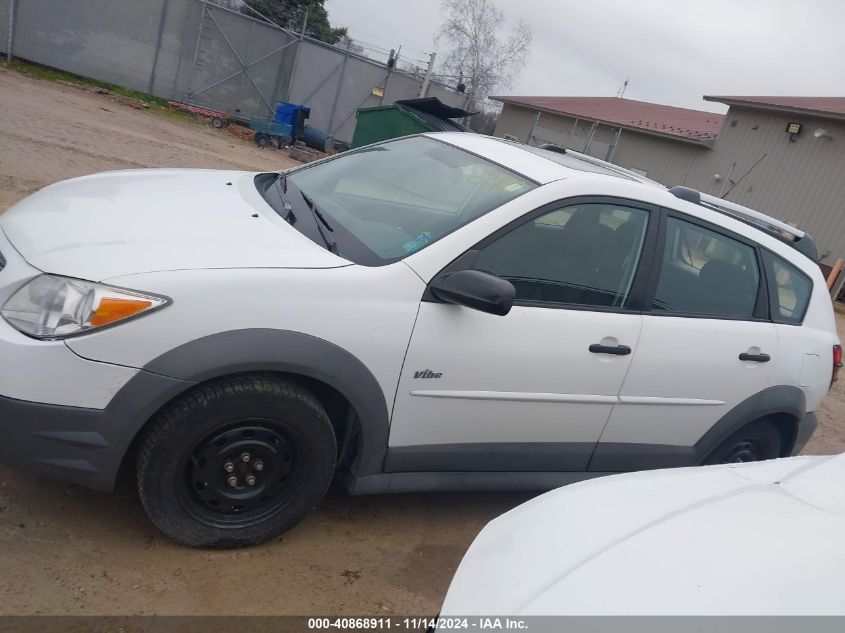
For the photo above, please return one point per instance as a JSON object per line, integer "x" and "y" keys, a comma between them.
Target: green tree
{"x": 291, "y": 13}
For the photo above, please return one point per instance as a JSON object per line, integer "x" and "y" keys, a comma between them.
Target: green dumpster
{"x": 412, "y": 116}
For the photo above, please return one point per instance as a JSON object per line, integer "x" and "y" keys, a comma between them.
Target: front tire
{"x": 752, "y": 443}
{"x": 236, "y": 462}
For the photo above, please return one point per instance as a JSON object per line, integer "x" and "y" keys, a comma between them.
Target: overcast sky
{"x": 674, "y": 51}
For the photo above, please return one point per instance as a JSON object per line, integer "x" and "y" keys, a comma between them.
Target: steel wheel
{"x": 242, "y": 472}
{"x": 744, "y": 451}
{"x": 753, "y": 443}
{"x": 236, "y": 461}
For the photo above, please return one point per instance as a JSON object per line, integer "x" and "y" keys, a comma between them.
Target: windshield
{"x": 395, "y": 198}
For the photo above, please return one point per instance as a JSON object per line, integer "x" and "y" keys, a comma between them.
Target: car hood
{"x": 124, "y": 222}
{"x": 750, "y": 539}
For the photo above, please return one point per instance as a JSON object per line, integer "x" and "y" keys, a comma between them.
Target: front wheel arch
{"x": 337, "y": 377}
{"x": 342, "y": 414}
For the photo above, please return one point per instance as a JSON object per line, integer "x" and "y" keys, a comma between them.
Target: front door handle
{"x": 618, "y": 350}
{"x": 756, "y": 358}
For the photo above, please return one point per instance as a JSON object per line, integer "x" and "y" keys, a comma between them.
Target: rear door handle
{"x": 618, "y": 350}
{"x": 756, "y": 358}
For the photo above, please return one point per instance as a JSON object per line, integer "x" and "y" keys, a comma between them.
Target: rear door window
{"x": 706, "y": 273}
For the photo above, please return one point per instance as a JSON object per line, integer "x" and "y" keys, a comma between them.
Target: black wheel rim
{"x": 241, "y": 472}
{"x": 743, "y": 451}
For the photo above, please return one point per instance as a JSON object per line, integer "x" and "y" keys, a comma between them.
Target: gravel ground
{"x": 68, "y": 550}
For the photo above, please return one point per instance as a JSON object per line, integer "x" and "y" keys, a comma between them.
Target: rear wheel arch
{"x": 782, "y": 405}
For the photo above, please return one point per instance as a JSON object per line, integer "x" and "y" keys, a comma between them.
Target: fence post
{"x": 612, "y": 150}
{"x": 296, "y": 56}
{"x": 190, "y": 92}
{"x": 337, "y": 92}
{"x": 590, "y": 138}
{"x": 11, "y": 41}
{"x": 159, "y": 36}
{"x": 533, "y": 128}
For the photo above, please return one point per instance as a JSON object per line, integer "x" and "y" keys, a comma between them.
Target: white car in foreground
{"x": 437, "y": 312}
{"x": 728, "y": 540}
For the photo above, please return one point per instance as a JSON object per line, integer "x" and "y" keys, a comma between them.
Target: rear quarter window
{"x": 790, "y": 290}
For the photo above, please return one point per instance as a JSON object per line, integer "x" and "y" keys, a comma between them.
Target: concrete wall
{"x": 802, "y": 182}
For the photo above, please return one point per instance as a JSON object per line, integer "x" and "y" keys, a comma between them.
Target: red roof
{"x": 682, "y": 123}
{"x": 822, "y": 106}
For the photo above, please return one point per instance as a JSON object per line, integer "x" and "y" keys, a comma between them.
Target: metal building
{"x": 782, "y": 155}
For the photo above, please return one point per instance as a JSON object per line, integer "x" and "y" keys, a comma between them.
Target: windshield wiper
{"x": 321, "y": 222}
{"x": 282, "y": 184}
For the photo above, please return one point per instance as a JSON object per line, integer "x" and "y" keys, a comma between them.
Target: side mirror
{"x": 475, "y": 289}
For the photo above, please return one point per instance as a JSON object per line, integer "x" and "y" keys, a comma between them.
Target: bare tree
{"x": 479, "y": 52}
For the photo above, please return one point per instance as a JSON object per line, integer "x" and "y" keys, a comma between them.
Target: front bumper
{"x": 78, "y": 444}
{"x": 61, "y": 415}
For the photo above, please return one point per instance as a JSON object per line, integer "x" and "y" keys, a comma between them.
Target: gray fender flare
{"x": 626, "y": 457}
{"x": 778, "y": 400}
{"x": 241, "y": 351}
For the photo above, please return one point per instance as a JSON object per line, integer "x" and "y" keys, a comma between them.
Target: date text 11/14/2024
{"x": 477, "y": 623}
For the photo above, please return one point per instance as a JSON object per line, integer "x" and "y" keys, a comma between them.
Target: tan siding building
{"x": 754, "y": 160}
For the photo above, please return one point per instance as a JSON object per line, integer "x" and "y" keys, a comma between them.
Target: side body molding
{"x": 776, "y": 400}
{"x": 262, "y": 349}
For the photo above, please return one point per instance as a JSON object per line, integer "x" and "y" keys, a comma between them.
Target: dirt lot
{"x": 67, "y": 550}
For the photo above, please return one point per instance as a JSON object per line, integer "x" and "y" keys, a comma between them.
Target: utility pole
{"x": 428, "y": 71}
{"x": 392, "y": 62}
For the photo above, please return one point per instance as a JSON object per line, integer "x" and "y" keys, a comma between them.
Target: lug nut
{"x": 229, "y": 467}
{"x": 250, "y": 480}
{"x": 258, "y": 465}
{"x": 233, "y": 481}
{"x": 245, "y": 457}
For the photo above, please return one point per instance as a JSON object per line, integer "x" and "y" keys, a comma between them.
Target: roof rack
{"x": 798, "y": 239}
{"x": 592, "y": 160}
{"x": 554, "y": 148}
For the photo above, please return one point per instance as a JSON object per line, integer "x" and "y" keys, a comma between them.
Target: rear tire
{"x": 755, "y": 442}
{"x": 262, "y": 140}
{"x": 236, "y": 462}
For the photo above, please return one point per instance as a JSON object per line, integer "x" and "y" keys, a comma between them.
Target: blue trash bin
{"x": 286, "y": 113}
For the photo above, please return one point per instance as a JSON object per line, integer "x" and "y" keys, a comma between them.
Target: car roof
{"x": 543, "y": 166}
{"x": 536, "y": 163}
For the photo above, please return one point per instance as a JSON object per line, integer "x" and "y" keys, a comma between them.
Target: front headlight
{"x": 53, "y": 307}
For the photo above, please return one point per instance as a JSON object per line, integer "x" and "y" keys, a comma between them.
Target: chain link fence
{"x": 207, "y": 55}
